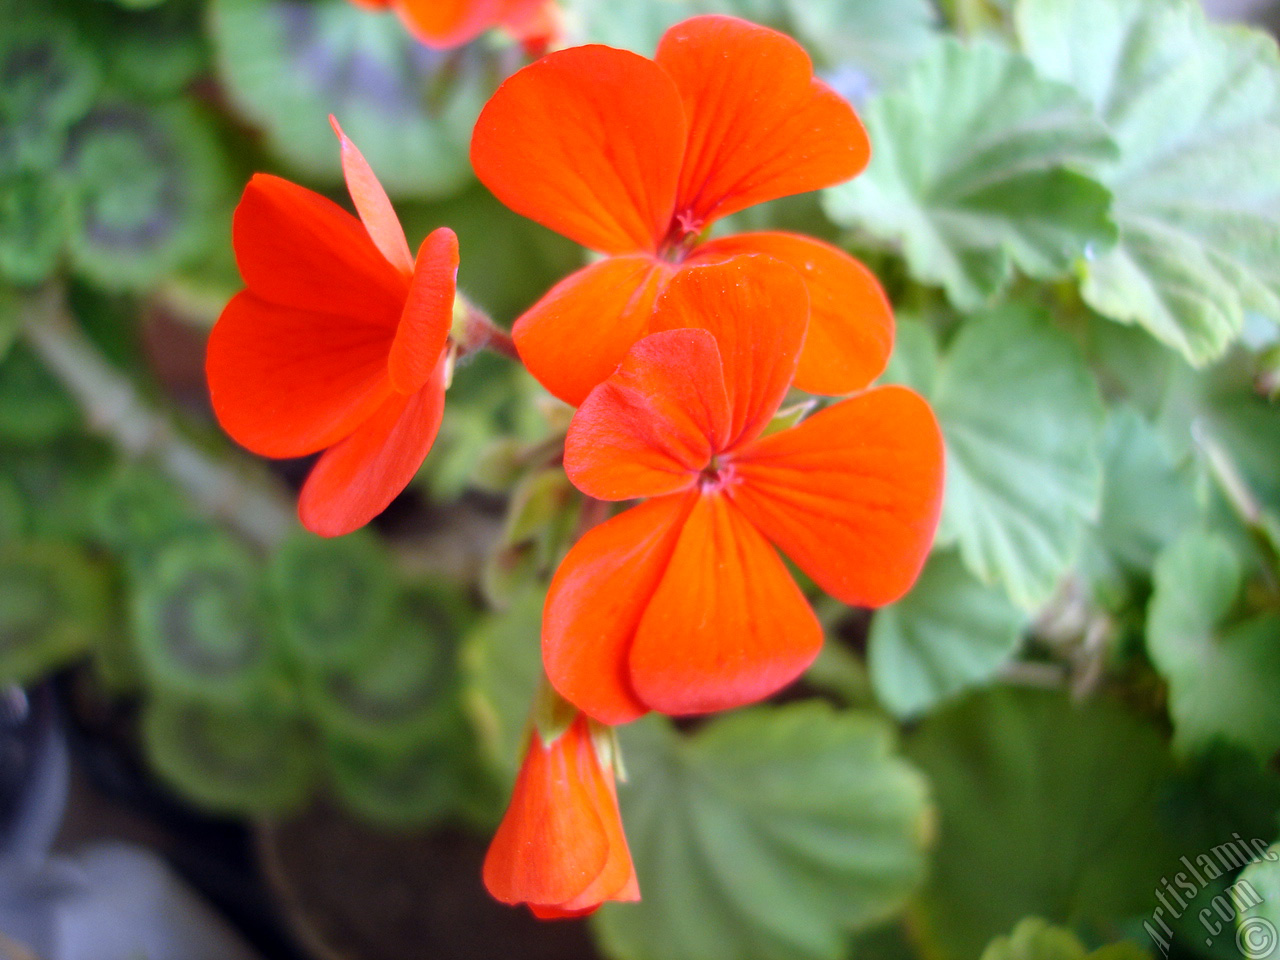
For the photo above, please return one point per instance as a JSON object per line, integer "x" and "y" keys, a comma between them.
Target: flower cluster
{"x": 678, "y": 352}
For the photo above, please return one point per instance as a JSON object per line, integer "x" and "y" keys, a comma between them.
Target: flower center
{"x": 716, "y": 475}
{"x": 682, "y": 236}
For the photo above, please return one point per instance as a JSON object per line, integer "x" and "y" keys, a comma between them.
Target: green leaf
{"x": 1222, "y": 672}
{"x": 1054, "y": 806}
{"x": 34, "y": 408}
{"x": 1195, "y": 108}
{"x": 876, "y": 36}
{"x": 398, "y": 689}
{"x": 333, "y": 597}
{"x": 973, "y": 172}
{"x": 948, "y": 634}
{"x": 34, "y": 224}
{"x": 50, "y": 80}
{"x": 288, "y": 65}
{"x": 200, "y": 621}
{"x": 1147, "y": 499}
{"x": 137, "y": 512}
{"x": 502, "y": 667}
{"x": 235, "y": 758}
{"x": 148, "y": 190}
{"x": 53, "y": 605}
{"x": 415, "y": 783}
{"x": 1022, "y": 419}
{"x": 770, "y": 833}
{"x": 58, "y": 482}
{"x": 1034, "y": 939}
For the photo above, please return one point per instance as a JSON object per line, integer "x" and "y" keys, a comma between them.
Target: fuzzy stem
{"x": 114, "y": 408}
{"x": 480, "y": 332}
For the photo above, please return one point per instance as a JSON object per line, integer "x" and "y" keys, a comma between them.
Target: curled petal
{"x": 356, "y": 479}
{"x": 727, "y": 625}
{"x": 287, "y": 382}
{"x": 373, "y": 205}
{"x": 758, "y": 309}
{"x": 850, "y": 320}
{"x": 760, "y": 125}
{"x": 552, "y": 844}
{"x": 587, "y": 141}
{"x": 852, "y": 494}
{"x": 428, "y": 312}
{"x": 299, "y": 249}
{"x": 578, "y": 333}
{"x": 654, "y": 425}
{"x": 595, "y": 603}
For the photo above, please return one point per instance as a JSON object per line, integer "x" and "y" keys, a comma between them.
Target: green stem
{"x": 114, "y": 408}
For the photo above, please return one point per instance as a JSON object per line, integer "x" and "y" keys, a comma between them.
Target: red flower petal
{"x": 617, "y": 881}
{"x": 552, "y": 843}
{"x": 428, "y": 312}
{"x": 727, "y": 625}
{"x": 596, "y": 600}
{"x": 287, "y": 382}
{"x": 850, "y": 321}
{"x": 296, "y": 248}
{"x": 760, "y": 125}
{"x": 373, "y": 205}
{"x": 588, "y": 142}
{"x": 852, "y": 494}
{"x": 758, "y": 310}
{"x": 443, "y": 24}
{"x": 651, "y": 427}
{"x": 355, "y": 480}
{"x": 576, "y": 335}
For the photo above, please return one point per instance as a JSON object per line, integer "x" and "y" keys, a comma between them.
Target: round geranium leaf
{"x": 49, "y": 81}
{"x": 53, "y": 605}
{"x": 246, "y": 758}
{"x": 200, "y": 621}
{"x": 147, "y": 190}
{"x": 334, "y": 597}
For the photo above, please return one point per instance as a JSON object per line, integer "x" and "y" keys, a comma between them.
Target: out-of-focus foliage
{"x": 1073, "y": 206}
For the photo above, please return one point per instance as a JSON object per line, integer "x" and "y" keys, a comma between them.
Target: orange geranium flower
{"x": 442, "y": 24}
{"x": 635, "y": 158}
{"x": 682, "y": 604}
{"x": 337, "y": 344}
{"x": 560, "y": 847}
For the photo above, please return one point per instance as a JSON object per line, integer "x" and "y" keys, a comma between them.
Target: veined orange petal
{"x": 552, "y": 843}
{"x": 760, "y": 125}
{"x": 578, "y": 333}
{"x": 587, "y": 141}
{"x": 850, "y": 320}
{"x": 758, "y": 309}
{"x": 355, "y": 480}
{"x": 428, "y": 312}
{"x": 727, "y": 625}
{"x": 852, "y": 494}
{"x": 373, "y": 205}
{"x": 596, "y": 600}
{"x": 301, "y": 250}
{"x": 653, "y": 426}
{"x": 287, "y": 382}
